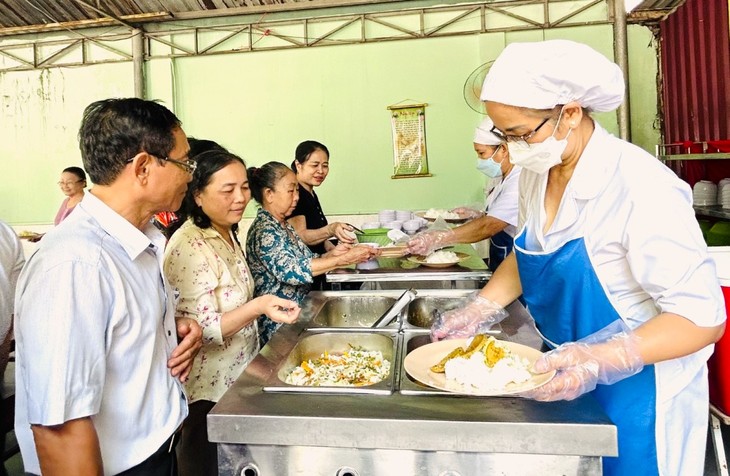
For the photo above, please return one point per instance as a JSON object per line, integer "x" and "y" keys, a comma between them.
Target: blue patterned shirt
{"x": 280, "y": 263}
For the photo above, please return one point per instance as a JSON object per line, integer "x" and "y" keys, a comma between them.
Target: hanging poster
{"x": 408, "y": 123}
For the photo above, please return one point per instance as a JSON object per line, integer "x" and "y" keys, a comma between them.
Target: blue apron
{"x": 500, "y": 245}
{"x": 567, "y": 301}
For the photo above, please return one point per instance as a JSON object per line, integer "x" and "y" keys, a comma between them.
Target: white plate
{"x": 422, "y": 260}
{"x": 447, "y": 220}
{"x": 418, "y": 365}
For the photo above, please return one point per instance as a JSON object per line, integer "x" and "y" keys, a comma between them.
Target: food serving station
{"x": 399, "y": 426}
{"x": 406, "y": 269}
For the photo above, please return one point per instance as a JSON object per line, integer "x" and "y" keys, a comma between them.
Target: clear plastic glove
{"x": 476, "y": 317}
{"x": 426, "y": 242}
{"x": 605, "y": 357}
{"x": 467, "y": 213}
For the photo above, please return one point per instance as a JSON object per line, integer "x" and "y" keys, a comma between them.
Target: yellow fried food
{"x": 441, "y": 366}
{"x": 476, "y": 345}
{"x": 493, "y": 353}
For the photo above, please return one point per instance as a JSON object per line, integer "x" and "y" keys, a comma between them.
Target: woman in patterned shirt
{"x": 281, "y": 263}
{"x": 205, "y": 262}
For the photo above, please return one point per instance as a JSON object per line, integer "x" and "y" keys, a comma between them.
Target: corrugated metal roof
{"x": 26, "y": 16}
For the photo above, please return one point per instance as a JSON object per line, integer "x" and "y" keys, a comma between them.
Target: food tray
{"x": 312, "y": 345}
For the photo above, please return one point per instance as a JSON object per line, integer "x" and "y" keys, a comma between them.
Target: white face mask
{"x": 542, "y": 156}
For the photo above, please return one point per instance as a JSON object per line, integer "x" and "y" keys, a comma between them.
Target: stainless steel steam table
{"x": 402, "y": 433}
{"x": 401, "y": 269}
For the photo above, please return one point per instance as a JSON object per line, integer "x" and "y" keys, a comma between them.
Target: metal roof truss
{"x": 169, "y": 40}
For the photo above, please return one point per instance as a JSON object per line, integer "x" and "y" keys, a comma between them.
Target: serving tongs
{"x": 355, "y": 229}
{"x": 395, "y": 309}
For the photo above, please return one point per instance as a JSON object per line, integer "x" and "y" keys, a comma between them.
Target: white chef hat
{"x": 543, "y": 74}
{"x": 483, "y": 134}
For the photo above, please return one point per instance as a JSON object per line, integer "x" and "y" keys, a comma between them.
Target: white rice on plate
{"x": 442, "y": 257}
{"x": 434, "y": 213}
{"x": 473, "y": 372}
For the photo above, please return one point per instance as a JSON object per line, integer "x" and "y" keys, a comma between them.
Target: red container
{"x": 719, "y": 363}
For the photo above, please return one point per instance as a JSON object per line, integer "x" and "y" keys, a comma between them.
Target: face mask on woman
{"x": 489, "y": 167}
{"x": 542, "y": 156}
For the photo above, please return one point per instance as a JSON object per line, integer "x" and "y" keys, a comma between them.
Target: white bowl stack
{"x": 393, "y": 225}
{"x": 386, "y": 216}
{"x": 403, "y": 215}
{"x": 704, "y": 193}
{"x": 412, "y": 226}
{"x": 723, "y": 193}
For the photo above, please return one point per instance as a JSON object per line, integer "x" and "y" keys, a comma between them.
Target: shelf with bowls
{"x": 715, "y": 211}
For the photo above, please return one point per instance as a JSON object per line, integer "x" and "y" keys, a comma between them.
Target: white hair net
{"x": 544, "y": 74}
{"x": 484, "y": 135}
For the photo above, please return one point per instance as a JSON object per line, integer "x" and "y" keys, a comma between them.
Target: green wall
{"x": 262, "y": 104}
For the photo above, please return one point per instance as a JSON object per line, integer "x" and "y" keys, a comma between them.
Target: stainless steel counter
{"x": 402, "y": 433}
{"x": 401, "y": 269}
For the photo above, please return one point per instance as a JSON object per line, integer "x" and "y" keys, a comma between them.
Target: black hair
{"x": 304, "y": 150}
{"x": 208, "y": 163}
{"x": 266, "y": 176}
{"x": 77, "y": 171}
{"x": 115, "y": 130}
{"x": 198, "y": 146}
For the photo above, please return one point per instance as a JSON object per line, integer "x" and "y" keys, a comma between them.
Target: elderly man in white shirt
{"x": 99, "y": 366}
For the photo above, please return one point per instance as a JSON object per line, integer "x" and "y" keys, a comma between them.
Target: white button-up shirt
{"x": 94, "y": 330}
{"x": 503, "y": 200}
{"x": 11, "y": 262}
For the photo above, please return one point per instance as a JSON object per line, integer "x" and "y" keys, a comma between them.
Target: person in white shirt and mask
{"x": 499, "y": 222}
{"x": 609, "y": 258}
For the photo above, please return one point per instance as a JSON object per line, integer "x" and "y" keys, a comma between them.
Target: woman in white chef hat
{"x": 609, "y": 258}
{"x": 499, "y": 223}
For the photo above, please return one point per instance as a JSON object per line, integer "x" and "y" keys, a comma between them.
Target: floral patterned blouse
{"x": 212, "y": 279}
{"x": 280, "y": 262}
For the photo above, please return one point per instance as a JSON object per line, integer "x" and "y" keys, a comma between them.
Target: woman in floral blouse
{"x": 281, "y": 263}
{"x": 205, "y": 262}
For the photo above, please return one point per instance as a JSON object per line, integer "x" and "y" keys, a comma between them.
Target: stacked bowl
{"x": 704, "y": 193}
{"x": 723, "y": 193}
{"x": 385, "y": 216}
{"x": 403, "y": 215}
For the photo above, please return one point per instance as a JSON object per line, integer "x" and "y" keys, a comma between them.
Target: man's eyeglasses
{"x": 187, "y": 165}
{"x": 62, "y": 184}
{"x": 512, "y": 138}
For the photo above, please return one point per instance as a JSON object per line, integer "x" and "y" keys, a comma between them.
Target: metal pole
{"x": 621, "y": 53}
{"x": 138, "y": 62}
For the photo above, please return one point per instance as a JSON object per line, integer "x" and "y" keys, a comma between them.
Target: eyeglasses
{"x": 187, "y": 165}
{"x": 61, "y": 184}
{"x": 512, "y": 138}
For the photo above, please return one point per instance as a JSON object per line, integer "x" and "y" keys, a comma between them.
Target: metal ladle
{"x": 393, "y": 311}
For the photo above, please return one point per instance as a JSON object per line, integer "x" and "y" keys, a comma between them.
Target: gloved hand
{"x": 596, "y": 359}
{"x": 426, "y": 242}
{"x": 467, "y": 213}
{"x": 476, "y": 317}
